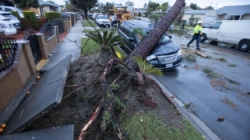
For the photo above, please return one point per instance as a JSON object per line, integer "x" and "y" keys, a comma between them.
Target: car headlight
{"x": 150, "y": 57}
{"x": 179, "y": 52}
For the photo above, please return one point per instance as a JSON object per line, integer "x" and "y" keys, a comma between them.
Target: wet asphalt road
{"x": 224, "y": 95}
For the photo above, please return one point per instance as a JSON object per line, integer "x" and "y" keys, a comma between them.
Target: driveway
{"x": 217, "y": 86}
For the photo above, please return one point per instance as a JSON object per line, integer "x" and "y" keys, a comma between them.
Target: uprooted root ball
{"x": 103, "y": 81}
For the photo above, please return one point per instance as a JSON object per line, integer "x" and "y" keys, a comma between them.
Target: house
{"x": 130, "y": 6}
{"x": 239, "y": 12}
{"x": 202, "y": 15}
{"x": 45, "y": 7}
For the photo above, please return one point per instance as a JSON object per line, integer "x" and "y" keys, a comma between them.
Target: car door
{"x": 122, "y": 33}
{"x": 131, "y": 40}
{"x": 128, "y": 44}
{"x": 214, "y": 30}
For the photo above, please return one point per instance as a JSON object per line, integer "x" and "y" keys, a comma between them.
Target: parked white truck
{"x": 234, "y": 32}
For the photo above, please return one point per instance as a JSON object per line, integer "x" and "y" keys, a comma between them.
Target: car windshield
{"x": 8, "y": 15}
{"x": 141, "y": 33}
{"x": 102, "y": 17}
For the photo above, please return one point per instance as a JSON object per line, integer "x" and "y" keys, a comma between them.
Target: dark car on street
{"x": 65, "y": 15}
{"x": 166, "y": 54}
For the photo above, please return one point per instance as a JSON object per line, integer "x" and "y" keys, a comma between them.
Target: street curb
{"x": 207, "y": 132}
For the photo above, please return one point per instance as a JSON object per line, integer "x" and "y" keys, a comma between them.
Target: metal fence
{"x": 7, "y": 52}
{"x": 30, "y": 35}
{"x": 47, "y": 30}
{"x": 59, "y": 24}
{"x": 72, "y": 19}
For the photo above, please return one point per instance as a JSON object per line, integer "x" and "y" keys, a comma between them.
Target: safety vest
{"x": 197, "y": 29}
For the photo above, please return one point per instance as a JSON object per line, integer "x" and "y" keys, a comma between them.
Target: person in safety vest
{"x": 196, "y": 35}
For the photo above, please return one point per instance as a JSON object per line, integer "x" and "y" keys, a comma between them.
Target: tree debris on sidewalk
{"x": 201, "y": 54}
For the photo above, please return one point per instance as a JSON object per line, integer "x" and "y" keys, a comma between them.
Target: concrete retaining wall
{"x": 12, "y": 79}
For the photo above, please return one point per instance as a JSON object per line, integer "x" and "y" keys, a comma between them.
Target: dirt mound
{"x": 85, "y": 89}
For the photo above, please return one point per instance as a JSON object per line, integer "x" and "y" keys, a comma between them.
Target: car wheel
{"x": 244, "y": 46}
{"x": 203, "y": 38}
{"x": 214, "y": 42}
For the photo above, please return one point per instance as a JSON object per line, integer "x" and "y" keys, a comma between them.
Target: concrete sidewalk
{"x": 70, "y": 45}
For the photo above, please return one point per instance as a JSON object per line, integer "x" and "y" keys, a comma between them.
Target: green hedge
{"x": 30, "y": 16}
{"x": 52, "y": 15}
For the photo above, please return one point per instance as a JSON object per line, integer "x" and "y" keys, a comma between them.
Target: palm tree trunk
{"x": 149, "y": 42}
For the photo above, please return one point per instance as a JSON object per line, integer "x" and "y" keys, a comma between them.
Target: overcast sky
{"x": 201, "y": 3}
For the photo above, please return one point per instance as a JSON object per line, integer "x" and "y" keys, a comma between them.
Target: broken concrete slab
{"x": 46, "y": 94}
{"x": 55, "y": 133}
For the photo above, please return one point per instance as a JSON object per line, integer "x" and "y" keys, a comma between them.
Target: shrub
{"x": 52, "y": 15}
{"x": 30, "y": 17}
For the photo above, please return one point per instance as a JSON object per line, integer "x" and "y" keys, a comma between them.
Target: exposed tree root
{"x": 107, "y": 102}
{"x": 91, "y": 120}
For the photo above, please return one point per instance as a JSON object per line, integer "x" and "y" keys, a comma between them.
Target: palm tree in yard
{"x": 106, "y": 39}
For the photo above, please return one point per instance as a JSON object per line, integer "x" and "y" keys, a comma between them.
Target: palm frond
{"x": 145, "y": 67}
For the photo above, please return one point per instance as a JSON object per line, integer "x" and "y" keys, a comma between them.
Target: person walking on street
{"x": 183, "y": 24}
{"x": 196, "y": 35}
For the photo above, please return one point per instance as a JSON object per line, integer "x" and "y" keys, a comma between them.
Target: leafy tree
{"x": 164, "y": 7}
{"x": 209, "y": 8}
{"x": 84, "y": 5}
{"x": 26, "y": 4}
{"x": 72, "y": 8}
{"x": 148, "y": 43}
{"x": 108, "y": 6}
{"x": 155, "y": 17}
{"x": 194, "y": 6}
{"x": 152, "y": 6}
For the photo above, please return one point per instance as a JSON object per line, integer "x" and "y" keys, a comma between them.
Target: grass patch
{"x": 191, "y": 58}
{"x": 85, "y": 23}
{"x": 210, "y": 73}
{"x": 221, "y": 59}
{"x": 87, "y": 30}
{"x": 90, "y": 46}
{"x": 143, "y": 126}
{"x": 231, "y": 65}
{"x": 102, "y": 30}
{"x": 233, "y": 81}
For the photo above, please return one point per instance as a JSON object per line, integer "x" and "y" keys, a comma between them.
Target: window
{"x": 102, "y": 17}
{"x": 131, "y": 33}
{"x": 126, "y": 29}
{"x": 233, "y": 17}
{"x": 216, "y": 25}
{"x": 1, "y": 8}
{"x": 121, "y": 26}
{"x": 8, "y": 9}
